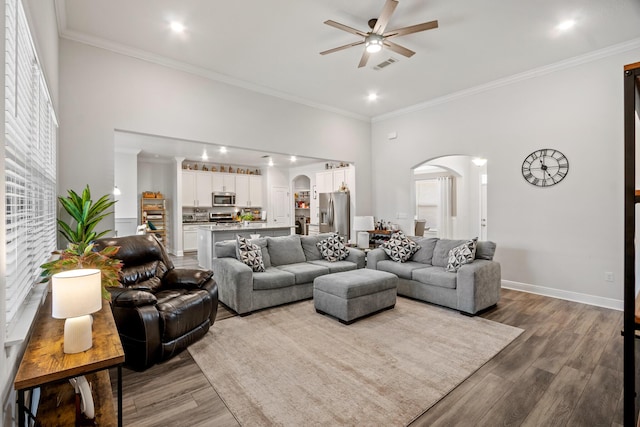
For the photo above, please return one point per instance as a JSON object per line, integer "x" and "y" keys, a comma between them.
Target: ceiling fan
{"x": 375, "y": 39}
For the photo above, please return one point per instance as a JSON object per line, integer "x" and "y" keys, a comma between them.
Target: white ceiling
{"x": 273, "y": 46}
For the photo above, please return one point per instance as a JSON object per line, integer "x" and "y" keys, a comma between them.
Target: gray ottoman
{"x": 350, "y": 295}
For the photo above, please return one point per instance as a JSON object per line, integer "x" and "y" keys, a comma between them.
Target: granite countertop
{"x": 238, "y": 226}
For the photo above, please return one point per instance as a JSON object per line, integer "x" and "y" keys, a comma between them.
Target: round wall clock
{"x": 545, "y": 167}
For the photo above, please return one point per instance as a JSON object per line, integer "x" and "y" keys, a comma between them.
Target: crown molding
{"x": 516, "y": 78}
{"x": 188, "y": 68}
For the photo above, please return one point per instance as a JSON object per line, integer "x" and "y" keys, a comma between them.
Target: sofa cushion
{"x": 461, "y": 255}
{"x": 273, "y": 278}
{"x": 226, "y": 249}
{"x": 285, "y": 250}
{"x": 249, "y": 253}
{"x": 400, "y": 269}
{"x": 311, "y": 251}
{"x": 399, "y": 247}
{"x": 435, "y": 276}
{"x": 332, "y": 248}
{"x": 337, "y": 266}
{"x": 262, "y": 242}
{"x": 305, "y": 272}
{"x": 424, "y": 255}
{"x": 485, "y": 250}
{"x": 441, "y": 251}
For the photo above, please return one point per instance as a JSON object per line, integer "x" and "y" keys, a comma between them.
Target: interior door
{"x": 281, "y": 206}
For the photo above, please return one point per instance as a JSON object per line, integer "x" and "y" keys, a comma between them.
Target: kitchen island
{"x": 208, "y": 235}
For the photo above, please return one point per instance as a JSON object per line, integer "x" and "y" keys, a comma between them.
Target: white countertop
{"x": 237, "y": 227}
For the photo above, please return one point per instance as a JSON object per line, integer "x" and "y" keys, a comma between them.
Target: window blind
{"x": 30, "y": 162}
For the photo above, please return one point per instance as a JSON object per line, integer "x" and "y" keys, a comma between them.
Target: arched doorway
{"x": 450, "y": 193}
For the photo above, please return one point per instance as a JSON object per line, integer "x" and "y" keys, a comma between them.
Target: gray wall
{"x": 558, "y": 240}
{"x": 104, "y": 91}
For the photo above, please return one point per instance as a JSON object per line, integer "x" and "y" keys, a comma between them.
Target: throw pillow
{"x": 399, "y": 247}
{"x": 462, "y": 254}
{"x": 333, "y": 248}
{"x": 250, "y": 254}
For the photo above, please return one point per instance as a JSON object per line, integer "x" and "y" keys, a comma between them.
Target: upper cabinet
{"x": 331, "y": 180}
{"x": 196, "y": 189}
{"x": 249, "y": 190}
{"x": 223, "y": 182}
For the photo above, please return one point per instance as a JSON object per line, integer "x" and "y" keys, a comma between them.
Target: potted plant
{"x": 79, "y": 253}
{"x": 246, "y": 218}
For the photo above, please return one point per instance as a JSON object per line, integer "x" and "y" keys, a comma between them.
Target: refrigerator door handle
{"x": 330, "y": 213}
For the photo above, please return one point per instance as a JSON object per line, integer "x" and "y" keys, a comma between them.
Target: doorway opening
{"x": 301, "y": 204}
{"x": 450, "y": 195}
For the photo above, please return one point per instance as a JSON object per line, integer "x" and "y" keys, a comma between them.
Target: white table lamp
{"x": 75, "y": 295}
{"x": 362, "y": 224}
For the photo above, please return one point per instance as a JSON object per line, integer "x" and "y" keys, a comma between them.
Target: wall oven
{"x": 223, "y": 199}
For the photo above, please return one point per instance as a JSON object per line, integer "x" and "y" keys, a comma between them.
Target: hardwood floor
{"x": 564, "y": 370}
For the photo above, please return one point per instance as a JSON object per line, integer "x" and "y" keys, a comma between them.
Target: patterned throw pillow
{"x": 332, "y": 248}
{"x": 463, "y": 254}
{"x": 399, "y": 247}
{"x": 249, "y": 253}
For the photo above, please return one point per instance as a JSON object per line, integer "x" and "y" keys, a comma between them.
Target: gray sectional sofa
{"x": 474, "y": 287}
{"x": 291, "y": 264}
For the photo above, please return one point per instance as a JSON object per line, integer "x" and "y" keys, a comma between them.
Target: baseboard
{"x": 611, "y": 303}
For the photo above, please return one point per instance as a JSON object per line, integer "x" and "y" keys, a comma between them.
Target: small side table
{"x": 45, "y": 365}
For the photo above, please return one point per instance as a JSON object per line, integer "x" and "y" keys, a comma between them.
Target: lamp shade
{"x": 363, "y": 223}
{"x": 76, "y": 293}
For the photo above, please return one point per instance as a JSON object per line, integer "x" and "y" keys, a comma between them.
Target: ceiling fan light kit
{"x": 373, "y": 43}
{"x": 375, "y": 39}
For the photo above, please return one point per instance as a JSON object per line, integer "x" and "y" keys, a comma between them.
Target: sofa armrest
{"x": 235, "y": 284}
{"x": 374, "y": 256}
{"x": 186, "y": 278}
{"x": 478, "y": 285}
{"x": 356, "y": 256}
{"x": 131, "y": 297}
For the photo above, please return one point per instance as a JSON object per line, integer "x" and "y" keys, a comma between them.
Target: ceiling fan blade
{"x": 399, "y": 49}
{"x": 335, "y": 49}
{"x": 385, "y": 15}
{"x": 411, "y": 29}
{"x": 346, "y": 28}
{"x": 364, "y": 59}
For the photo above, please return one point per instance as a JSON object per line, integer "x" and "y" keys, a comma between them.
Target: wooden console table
{"x": 45, "y": 365}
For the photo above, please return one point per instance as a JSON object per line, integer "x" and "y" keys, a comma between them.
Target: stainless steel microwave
{"x": 223, "y": 199}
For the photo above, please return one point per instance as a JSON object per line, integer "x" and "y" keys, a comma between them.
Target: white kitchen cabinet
{"x": 331, "y": 180}
{"x": 249, "y": 190}
{"x": 223, "y": 182}
{"x": 314, "y": 229}
{"x": 189, "y": 238}
{"x": 324, "y": 182}
{"x": 255, "y": 190}
{"x": 196, "y": 189}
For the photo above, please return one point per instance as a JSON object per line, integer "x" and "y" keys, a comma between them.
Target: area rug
{"x": 290, "y": 366}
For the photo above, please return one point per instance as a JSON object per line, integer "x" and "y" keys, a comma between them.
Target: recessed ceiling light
{"x": 177, "y": 27}
{"x": 270, "y": 161}
{"x": 223, "y": 150}
{"x": 566, "y": 25}
{"x": 372, "y": 96}
{"x": 293, "y": 158}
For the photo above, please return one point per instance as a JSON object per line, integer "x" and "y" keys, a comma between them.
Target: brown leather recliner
{"x": 159, "y": 310}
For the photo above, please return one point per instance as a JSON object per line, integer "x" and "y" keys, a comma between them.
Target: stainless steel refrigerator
{"x": 334, "y": 213}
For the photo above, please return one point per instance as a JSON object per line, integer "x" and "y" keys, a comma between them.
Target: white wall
{"x": 103, "y": 91}
{"x": 564, "y": 237}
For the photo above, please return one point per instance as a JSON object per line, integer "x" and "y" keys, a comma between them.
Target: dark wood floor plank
{"x": 599, "y": 399}
{"x": 520, "y": 399}
{"x": 557, "y": 405}
{"x": 472, "y": 404}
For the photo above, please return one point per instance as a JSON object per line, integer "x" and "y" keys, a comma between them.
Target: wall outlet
{"x": 608, "y": 276}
